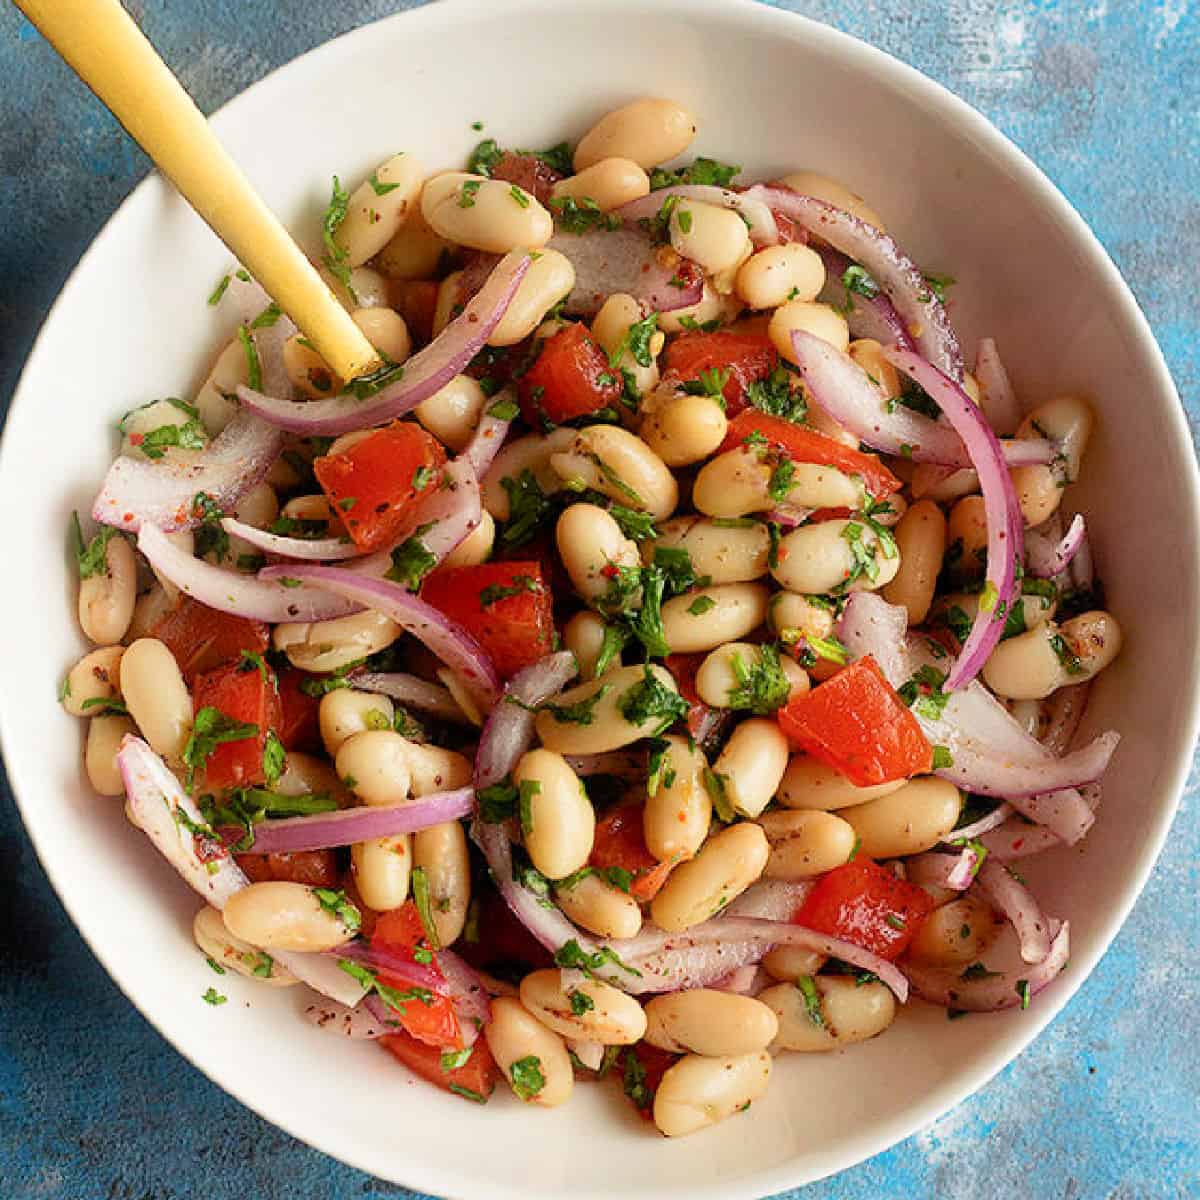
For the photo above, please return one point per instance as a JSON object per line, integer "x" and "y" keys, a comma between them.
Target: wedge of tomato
{"x": 857, "y": 724}
{"x": 571, "y": 378}
{"x": 247, "y": 696}
{"x": 864, "y": 903}
{"x": 747, "y": 358}
{"x": 505, "y": 606}
{"x": 474, "y": 1080}
{"x": 620, "y": 843}
{"x": 807, "y": 446}
{"x": 372, "y": 485}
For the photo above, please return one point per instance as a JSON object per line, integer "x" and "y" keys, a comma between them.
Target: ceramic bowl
{"x": 773, "y": 92}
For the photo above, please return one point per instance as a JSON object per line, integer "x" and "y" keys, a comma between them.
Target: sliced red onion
{"x": 1005, "y": 525}
{"x": 867, "y": 316}
{"x": 999, "y": 401}
{"x": 160, "y": 807}
{"x": 770, "y": 900}
{"x": 1083, "y": 573}
{"x": 1016, "y": 839}
{"x": 489, "y": 435}
{"x": 412, "y": 692}
{"x": 164, "y": 812}
{"x": 986, "y": 824}
{"x": 624, "y": 764}
{"x": 707, "y": 952}
{"x": 138, "y": 492}
{"x": 467, "y": 990}
{"x": 383, "y": 958}
{"x": 453, "y": 511}
{"x": 358, "y": 1024}
{"x": 626, "y": 260}
{"x": 251, "y": 301}
{"x": 869, "y": 625}
{"x": 313, "y": 549}
{"x": 1063, "y": 811}
{"x": 755, "y": 210}
{"x": 845, "y": 391}
{"x": 448, "y": 640}
{"x": 346, "y": 826}
{"x": 255, "y": 598}
{"x": 1008, "y": 989}
{"x": 788, "y": 516}
{"x": 383, "y": 1014}
{"x": 740, "y": 981}
{"x": 1015, "y": 902}
{"x": 1064, "y": 712}
{"x": 954, "y": 871}
{"x": 427, "y": 372}
{"x": 1045, "y": 559}
{"x": 923, "y": 314}
{"x": 508, "y": 732}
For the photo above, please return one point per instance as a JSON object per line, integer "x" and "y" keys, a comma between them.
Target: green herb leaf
{"x": 210, "y": 729}
{"x": 411, "y": 561}
{"x": 528, "y": 508}
{"x": 424, "y": 906}
{"x": 494, "y": 593}
{"x": 336, "y": 258}
{"x": 707, "y": 171}
{"x": 222, "y": 286}
{"x": 526, "y": 1077}
{"x": 582, "y": 712}
{"x": 571, "y": 954}
{"x": 652, "y": 700}
{"x": 807, "y": 987}
{"x": 336, "y": 903}
{"x": 761, "y": 686}
{"x": 581, "y": 1003}
{"x": 92, "y": 558}
{"x": 213, "y": 997}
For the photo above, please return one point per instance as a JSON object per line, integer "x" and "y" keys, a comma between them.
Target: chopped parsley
{"x": 188, "y": 436}
{"x": 937, "y": 285}
{"x": 857, "y": 280}
{"x": 977, "y": 971}
{"x": 336, "y": 904}
{"x": 210, "y": 729}
{"x": 213, "y": 997}
{"x": 762, "y": 687}
{"x": 571, "y": 954}
{"x": 943, "y": 760}
{"x": 222, "y": 286}
{"x": 582, "y": 712}
{"x": 494, "y": 593}
{"x": 578, "y": 215}
{"x": 424, "y": 906}
{"x": 504, "y": 410}
{"x": 246, "y": 807}
{"x": 706, "y": 171}
{"x": 484, "y": 157}
{"x": 411, "y": 561}
{"x": 209, "y": 536}
{"x": 466, "y": 194}
{"x": 652, "y": 700}
{"x": 1022, "y": 990}
{"x": 519, "y": 196}
{"x": 1065, "y": 655}
{"x": 659, "y": 772}
{"x": 615, "y": 639}
{"x": 380, "y": 189}
{"x": 637, "y": 342}
{"x": 497, "y": 803}
{"x": 711, "y": 383}
{"x": 336, "y": 258}
{"x": 923, "y": 693}
{"x": 714, "y": 784}
{"x": 452, "y": 1060}
{"x": 581, "y": 1003}
{"x": 633, "y": 1082}
{"x": 274, "y": 756}
{"x": 527, "y": 508}
{"x": 638, "y": 526}
{"x": 701, "y": 605}
{"x": 92, "y": 557}
{"x": 776, "y": 397}
{"x": 394, "y": 998}
{"x": 528, "y": 789}
{"x": 467, "y": 1093}
{"x": 807, "y": 987}
{"x": 781, "y": 480}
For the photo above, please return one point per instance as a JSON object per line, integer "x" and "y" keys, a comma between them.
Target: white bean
{"x": 485, "y": 214}
{"x": 550, "y": 277}
{"x": 104, "y": 737}
{"x": 683, "y": 429}
{"x": 378, "y": 208}
{"x": 94, "y": 678}
{"x": 592, "y": 1011}
{"x": 476, "y": 547}
{"x": 912, "y": 819}
{"x": 1034, "y": 664}
{"x": 697, "y": 1092}
{"x": 777, "y": 274}
{"x": 375, "y": 765}
{"x": 810, "y": 784}
{"x": 848, "y": 1012}
{"x": 415, "y": 252}
{"x": 589, "y": 543}
{"x": 156, "y": 696}
{"x": 789, "y": 612}
{"x": 725, "y": 552}
{"x": 532, "y": 1058}
{"x": 599, "y": 907}
{"x": 693, "y": 624}
{"x": 621, "y": 466}
{"x": 216, "y": 401}
{"x": 322, "y": 646}
{"x": 344, "y": 712}
{"x": 811, "y": 317}
{"x": 714, "y": 237}
{"x": 557, "y": 818}
{"x": 709, "y": 1022}
{"x": 788, "y": 963}
{"x": 287, "y": 916}
{"x": 727, "y": 864}
{"x": 921, "y": 538}
{"x": 583, "y": 635}
{"x": 676, "y": 817}
{"x": 382, "y": 868}
{"x": 452, "y": 413}
{"x": 531, "y": 453}
{"x": 159, "y": 414}
{"x": 647, "y": 132}
{"x": 806, "y": 844}
{"x": 609, "y": 183}
{"x": 106, "y": 599}
{"x": 751, "y": 765}
{"x": 843, "y": 555}
{"x": 739, "y": 482}
{"x": 955, "y": 934}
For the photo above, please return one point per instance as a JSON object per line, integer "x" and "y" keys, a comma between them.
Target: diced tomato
{"x": 571, "y": 378}
{"x": 249, "y": 696}
{"x": 643, "y": 1067}
{"x": 808, "y": 446}
{"x": 683, "y": 668}
{"x": 866, "y": 904}
{"x": 372, "y": 484}
{"x": 857, "y": 724}
{"x": 476, "y": 1078}
{"x": 529, "y": 172}
{"x": 619, "y": 842}
{"x": 299, "y": 727}
{"x": 202, "y": 639}
{"x": 434, "y": 1022}
{"x": 505, "y": 606}
{"x": 416, "y": 301}
{"x": 747, "y": 357}
{"x": 315, "y": 868}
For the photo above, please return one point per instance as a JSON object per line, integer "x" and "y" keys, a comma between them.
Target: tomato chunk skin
{"x": 747, "y": 357}
{"x": 683, "y": 668}
{"x": 864, "y": 903}
{"x": 505, "y": 606}
{"x": 202, "y": 639}
{"x": 299, "y": 725}
{"x": 571, "y": 378}
{"x": 857, "y": 724}
{"x": 809, "y": 446}
{"x": 372, "y": 485}
{"x": 250, "y": 696}
{"x": 619, "y": 842}
{"x": 314, "y": 868}
{"x": 477, "y": 1077}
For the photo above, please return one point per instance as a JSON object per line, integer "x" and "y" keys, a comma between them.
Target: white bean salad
{"x": 656, "y": 665}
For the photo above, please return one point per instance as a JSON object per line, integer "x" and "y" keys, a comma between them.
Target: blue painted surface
{"x": 1103, "y": 95}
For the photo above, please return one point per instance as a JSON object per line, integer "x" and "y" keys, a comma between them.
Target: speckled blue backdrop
{"x": 1104, "y": 95}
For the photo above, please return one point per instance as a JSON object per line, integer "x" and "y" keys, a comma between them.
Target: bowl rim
{"x": 761, "y": 16}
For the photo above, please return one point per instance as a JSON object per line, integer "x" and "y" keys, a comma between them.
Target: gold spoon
{"x": 100, "y": 42}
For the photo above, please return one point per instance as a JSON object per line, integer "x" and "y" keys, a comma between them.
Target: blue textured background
{"x": 1103, "y": 95}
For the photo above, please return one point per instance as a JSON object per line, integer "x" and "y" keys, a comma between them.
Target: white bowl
{"x": 773, "y": 92}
